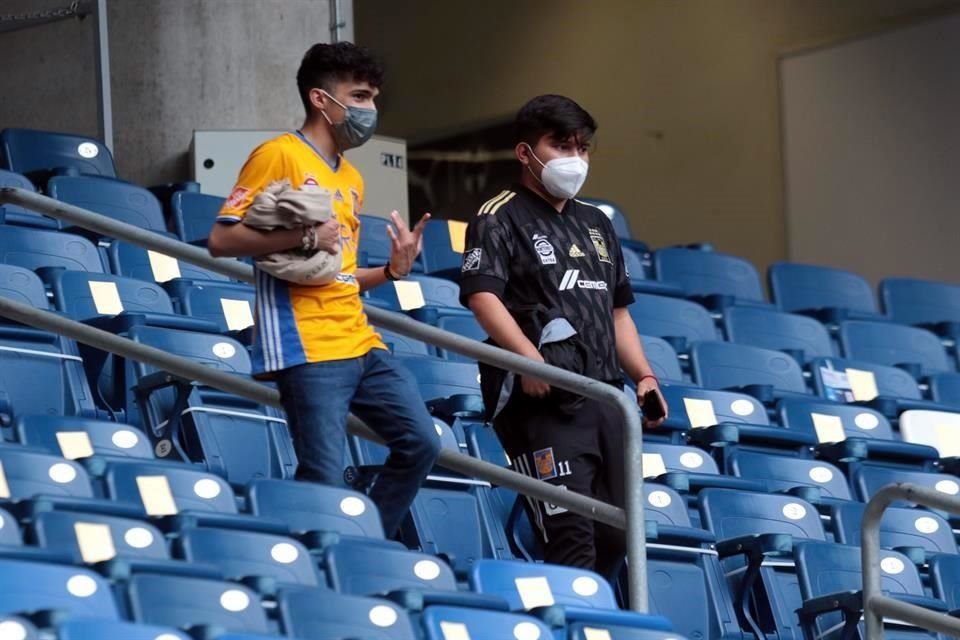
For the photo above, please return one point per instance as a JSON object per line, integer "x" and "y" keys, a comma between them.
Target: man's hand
{"x": 328, "y": 235}
{"x": 646, "y": 385}
{"x": 405, "y": 244}
{"x": 534, "y": 387}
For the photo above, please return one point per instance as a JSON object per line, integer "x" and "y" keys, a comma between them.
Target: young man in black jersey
{"x": 544, "y": 274}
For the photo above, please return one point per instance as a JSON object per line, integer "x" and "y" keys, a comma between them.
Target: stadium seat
{"x": 663, "y": 359}
{"x": 101, "y": 630}
{"x": 23, "y": 286}
{"x": 72, "y": 591}
{"x": 165, "y": 489}
{"x": 695, "y": 408}
{"x": 762, "y": 373}
{"x": 374, "y": 244}
{"x": 437, "y": 292}
{"x": 234, "y": 437}
{"x": 341, "y": 616}
{"x": 189, "y": 602}
{"x": 784, "y": 473}
{"x": 621, "y": 226}
{"x": 444, "y": 623}
{"x": 15, "y": 214}
{"x": 36, "y": 248}
{"x": 438, "y": 379}
{"x": 832, "y": 295}
{"x": 679, "y": 322}
{"x": 28, "y": 474}
{"x": 945, "y": 389}
{"x": 358, "y": 568}
{"x": 115, "y": 199}
{"x": 403, "y": 346}
{"x": 640, "y": 282}
{"x": 229, "y": 305}
{"x": 899, "y": 528}
{"x": 867, "y": 479}
{"x": 443, "y": 242}
{"x": 923, "y": 303}
{"x": 799, "y": 336}
{"x": 830, "y": 422}
{"x": 194, "y": 214}
{"x": 715, "y": 279}
{"x": 91, "y": 538}
{"x": 151, "y": 266}
{"x": 76, "y": 438}
{"x": 945, "y": 579}
{"x": 465, "y": 325}
{"x": 41, "y": 153}
{"x": 918, "y": 351}
{"x": 265, "y": 560}
{"x": 306, "y": 507}
{"x": 834, "y": 572}
{"x": 18, "y": 628}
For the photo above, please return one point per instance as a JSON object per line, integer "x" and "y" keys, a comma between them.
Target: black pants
{"x": 582, "y": 453}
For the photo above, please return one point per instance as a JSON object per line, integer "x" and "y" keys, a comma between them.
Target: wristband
{"x": 309, "y": 239}
{"x": 390, "y": 276}
{"x": 648, "y": 376}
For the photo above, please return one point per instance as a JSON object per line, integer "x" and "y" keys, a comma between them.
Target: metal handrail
{"x": 631, "y": 518}
{"x": 875, "y": 604}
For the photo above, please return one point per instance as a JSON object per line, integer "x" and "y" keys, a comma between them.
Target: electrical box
{"x": 218, "y": 155}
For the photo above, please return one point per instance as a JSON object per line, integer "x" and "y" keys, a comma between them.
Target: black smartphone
{"x": 652, "y": 408}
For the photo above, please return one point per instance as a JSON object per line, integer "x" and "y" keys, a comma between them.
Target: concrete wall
{"x": 686, "y": 93}
{"x": 177, "y": 65}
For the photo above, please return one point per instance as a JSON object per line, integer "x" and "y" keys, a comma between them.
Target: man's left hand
{"x": 405, "y": 245}
{"x": 646, "y": 385}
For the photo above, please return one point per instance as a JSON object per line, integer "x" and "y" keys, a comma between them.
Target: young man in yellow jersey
{"x": 315, "y": 341}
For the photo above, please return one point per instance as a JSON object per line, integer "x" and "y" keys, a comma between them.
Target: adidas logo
{"x": 575, "y": 252}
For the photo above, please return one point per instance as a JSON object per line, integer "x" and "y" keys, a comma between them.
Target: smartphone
{"x": 652, "y": 408}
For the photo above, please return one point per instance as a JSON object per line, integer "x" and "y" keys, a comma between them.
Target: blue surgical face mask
{"x": 356, "y": 127}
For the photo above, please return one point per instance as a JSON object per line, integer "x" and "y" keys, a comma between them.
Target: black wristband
{"x": 388, "y": 273}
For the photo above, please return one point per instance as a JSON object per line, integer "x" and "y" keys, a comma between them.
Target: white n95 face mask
{"x": 563, "y": 177}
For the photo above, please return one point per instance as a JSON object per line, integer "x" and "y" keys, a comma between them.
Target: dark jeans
{"x": 317, "y": 398}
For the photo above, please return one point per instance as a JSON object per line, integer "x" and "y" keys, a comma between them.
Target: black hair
{"x": 553, "y": 115}
{"x": 324, "y": 65}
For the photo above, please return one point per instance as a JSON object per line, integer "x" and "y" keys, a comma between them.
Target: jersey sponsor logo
{"x": 575, "y": 252}
{"x": 600, "y": 245}
{"x": 236, "y": 197}
{"x": 544, "y": 249}
{"x": 544, "y": 464}
{"x": 471, "y": 260}
{"x": 571, "y": 280}
{"x": 347, "y": 278}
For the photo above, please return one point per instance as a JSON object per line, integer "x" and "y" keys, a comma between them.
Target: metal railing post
{"x": 404, "y": 325}
{"x": 875, "y": 604}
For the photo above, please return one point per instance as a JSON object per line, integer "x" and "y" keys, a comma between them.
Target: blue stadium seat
{"x": 23, "y": 286}
{"x": 9, "y": 530}
{"x": 830, "y": 422}
{"x": 133, "y": 261}
{"x": 122, "y": 201}
{"x": 228, "y": 305}
{"x": 588, "y": 631}
{"x": 100, "y": 630}
{"x": 722, "y": 365}
{"x": 641, "y": 283}
{"x": 866, "y": 479}
{"x": 74, "y": 437}
{"x": 374, "y": 245}
{"x": 72, "y": 591}
{"x": 438, "y": 292}
{"x": 194, "y": 214}
{"x": 307, "y": 507}
{"x": 945, "y": 579}
{"x": 439, "y": 623}
{"x": 663, "y": 359}
{"x": 799, "y": 336}
{"x": 261, "y": 558}
{"x": 36, "y": 248}
{"x": 234, "y": 437}
{"x": 834, "y": 571}
{"x": 784, "y": 473}
{"x": 899, "y": 528}
{"x": 404, "y": 346}
{"x": 438, "y": 378}
{"x": 29, "y": 474}
{"x": 692, "y": 408}
{"x": 917, "y": 350}
{"x": 91, "y": 538}
{"x": 443, "y": 242}
{"x": 679, "y": 322}
{"x": 945, "y": 389}
{"x": 358, "y": 568}
{"x": 923, "y": 303}
{"x": 465, "y": 325}
{"x": 20, "y": 628}
{"x": 160, "y": 488}
{"x": 621, "y": 225}
{"x": 15, "y": 214}
{"x": 30, "y": 152}
{"x": 716, "y": 279}
{"x": 832, "y": 295}
{"x": 187, "y": 602}
{"x": 341, "y": 616}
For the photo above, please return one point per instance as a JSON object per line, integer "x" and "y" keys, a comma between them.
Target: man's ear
{"x": 319, "y": 99}
{"x": 523, "y": 153}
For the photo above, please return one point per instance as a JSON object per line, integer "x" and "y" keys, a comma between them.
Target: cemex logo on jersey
{"x": 544, "y": 249}
{"x": 570, "y": 281}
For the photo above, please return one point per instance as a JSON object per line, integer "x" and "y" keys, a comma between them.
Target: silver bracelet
{"x": 309, "y": 239}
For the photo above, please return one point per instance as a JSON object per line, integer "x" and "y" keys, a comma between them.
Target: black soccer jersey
{"x": 521, "y": 249}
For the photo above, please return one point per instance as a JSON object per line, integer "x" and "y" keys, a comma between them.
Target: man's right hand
{"x": 534, "y": 387}
{"x": 328, "y": 236}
